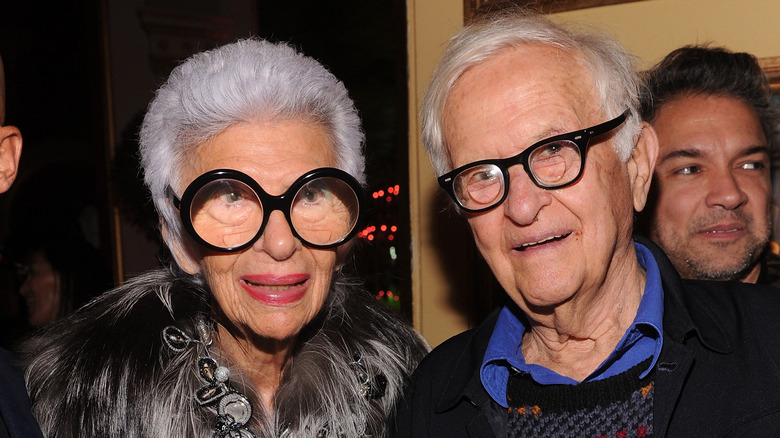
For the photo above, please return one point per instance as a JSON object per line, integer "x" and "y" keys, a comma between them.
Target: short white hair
{"x": 249, "y": 80}
{"x": 615, "y": 79}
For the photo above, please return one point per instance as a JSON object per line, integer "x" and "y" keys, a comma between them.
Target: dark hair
{"x": 702, "y": 70}
{"x": 82, "y": 272}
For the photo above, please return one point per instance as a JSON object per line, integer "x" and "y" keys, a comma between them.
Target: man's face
{"x": 545, "y": 247}
{"x": 712, "y": 216}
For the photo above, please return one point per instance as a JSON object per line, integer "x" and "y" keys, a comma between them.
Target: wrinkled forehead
{"x": 526, "y": 93}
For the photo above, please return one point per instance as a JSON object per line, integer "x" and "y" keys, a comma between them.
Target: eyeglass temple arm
{"x": 173, "y": 198}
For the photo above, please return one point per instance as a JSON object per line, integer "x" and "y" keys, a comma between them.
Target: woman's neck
{"x": 262, "y": 360}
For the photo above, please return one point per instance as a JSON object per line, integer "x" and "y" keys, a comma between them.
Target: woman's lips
{"x": 274, "y": 290}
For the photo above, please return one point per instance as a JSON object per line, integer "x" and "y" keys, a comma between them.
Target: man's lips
{"x": 723, "y": 230}
{"x": 543, "y": 241}
{"x": 276, "y": 290}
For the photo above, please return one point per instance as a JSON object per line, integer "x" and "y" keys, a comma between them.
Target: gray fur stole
{"x": 106, "y": 372}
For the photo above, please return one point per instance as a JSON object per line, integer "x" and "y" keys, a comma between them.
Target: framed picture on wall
{"x": 470, "y": 7}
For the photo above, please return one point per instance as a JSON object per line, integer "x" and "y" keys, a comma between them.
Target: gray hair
{"x": 612, "y": 67}
{"x": 249, "y": 80}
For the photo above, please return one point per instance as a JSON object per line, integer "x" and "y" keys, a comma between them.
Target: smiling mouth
{"x": 730, "y": 230}
{"x": 274, "y": 287}
{"x": 525, "y": 246}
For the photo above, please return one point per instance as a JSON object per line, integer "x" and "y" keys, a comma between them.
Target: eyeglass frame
{"x": 269, "y": 203}
{"x": 581, "y": 138}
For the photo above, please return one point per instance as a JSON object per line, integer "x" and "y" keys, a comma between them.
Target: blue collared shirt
{"x": 643, "y": 339}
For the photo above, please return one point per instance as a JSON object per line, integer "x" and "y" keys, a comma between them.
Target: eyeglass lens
{"x": 551, "y": 165}
{"x": 227, "y": 213}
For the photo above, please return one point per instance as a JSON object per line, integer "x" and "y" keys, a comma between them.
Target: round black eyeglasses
{"x": 552, "y": 163}
{"x": 226, "y": 210}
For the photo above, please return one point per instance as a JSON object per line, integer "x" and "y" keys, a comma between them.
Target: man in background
{"x": 712, "y": 187}
{"x": 16, "y": 420}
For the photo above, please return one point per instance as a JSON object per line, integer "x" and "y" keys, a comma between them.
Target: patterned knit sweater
{"x": 617, "y": 407}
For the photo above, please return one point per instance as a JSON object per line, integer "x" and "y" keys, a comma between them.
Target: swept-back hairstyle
{"x": 611, "y": 66}
{"x": 697, "y": 70}
{"x": 249, "y": 80}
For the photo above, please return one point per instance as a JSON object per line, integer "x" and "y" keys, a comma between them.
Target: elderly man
{"x": 536, "y": 135}
{"x": 16, "y": 420}
{"x": 710, "y": 109}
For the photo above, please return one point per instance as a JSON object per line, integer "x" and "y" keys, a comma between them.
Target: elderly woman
{"x": 252, "y": 153}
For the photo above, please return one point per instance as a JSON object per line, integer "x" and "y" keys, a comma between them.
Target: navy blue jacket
{"x": 14, "y": 402}
{"x": 718, "y": 374}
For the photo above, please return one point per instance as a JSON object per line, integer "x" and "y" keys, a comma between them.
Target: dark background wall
{"x": 79, "y": 75}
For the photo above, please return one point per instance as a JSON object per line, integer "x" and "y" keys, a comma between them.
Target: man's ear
{"x": 181, "y": 255}
{"x": 641, "y": 165}
{"x": 10, "y": 151}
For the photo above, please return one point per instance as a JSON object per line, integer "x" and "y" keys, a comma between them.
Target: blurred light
{"x": 390, "y": 237}
{"x": 393, "y": 255}
{"x": 393, "y": 228}
{"x": 397, "y": 187}
{"x": 381, "y": 193}
{"x": 389, "y": 198}
{"x": 383, "y": 227}
{"x": 370, "y": 237}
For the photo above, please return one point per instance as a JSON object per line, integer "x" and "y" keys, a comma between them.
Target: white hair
{"x": 249, "y": 80}
{"x": 614, "y": 76}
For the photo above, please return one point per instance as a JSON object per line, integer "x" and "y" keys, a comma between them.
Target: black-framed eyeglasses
{"x": 552, "y": 163}
{"x": 226, "y": 210}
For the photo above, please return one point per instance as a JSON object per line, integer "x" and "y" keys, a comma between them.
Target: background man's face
{"x": 713, "y": 212}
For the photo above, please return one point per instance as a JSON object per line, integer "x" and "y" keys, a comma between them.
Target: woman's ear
{"x": 10, "y": 151}
{"x": 641, "y": 165}
{"x": 343, "y": 252}
{"x": 181, "y": 253}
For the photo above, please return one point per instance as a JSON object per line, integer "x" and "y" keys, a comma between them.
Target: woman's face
{"x": 276, "y": 286}
{"x": 41, "y": 290}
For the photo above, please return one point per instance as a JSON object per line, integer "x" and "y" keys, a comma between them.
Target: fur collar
{"x": 105, "y": 371}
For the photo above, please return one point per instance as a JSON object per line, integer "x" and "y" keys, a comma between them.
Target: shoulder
{"x": 87, "y": 372}
{"x": 457, "y": 358}
{"x": 730, "y": 299}
{"x": 14, "y": 403}
{"x": 730, "y": 316}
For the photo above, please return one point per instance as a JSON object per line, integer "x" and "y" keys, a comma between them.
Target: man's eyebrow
{"x": 759, "y": 149}
{"x": 681, "y": 153}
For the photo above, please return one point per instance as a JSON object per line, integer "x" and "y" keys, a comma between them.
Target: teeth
{"x": 272, "y": 287}
{"x": 526, "y": 245}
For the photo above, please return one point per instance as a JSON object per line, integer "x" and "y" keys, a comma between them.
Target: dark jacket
{"x": 718, "y": 374}
{"x": 14, "y": 403}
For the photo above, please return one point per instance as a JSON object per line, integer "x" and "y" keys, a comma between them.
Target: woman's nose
{"x": 277, "y": 240}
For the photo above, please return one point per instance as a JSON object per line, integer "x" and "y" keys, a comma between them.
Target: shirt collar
{"x": 642, "y": 339}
